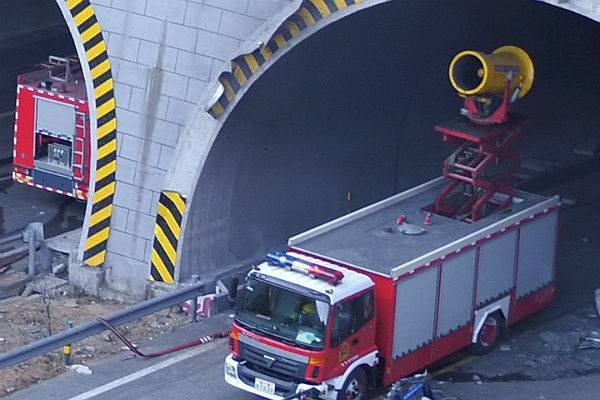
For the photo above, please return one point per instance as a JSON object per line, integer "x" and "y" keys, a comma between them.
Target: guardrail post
{"x": 33, "y": 233}
{"x": 67, "y": 348}
{"x": 194, "y": 303}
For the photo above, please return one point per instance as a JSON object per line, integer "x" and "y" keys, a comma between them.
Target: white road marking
{"x": 146, "y": 371}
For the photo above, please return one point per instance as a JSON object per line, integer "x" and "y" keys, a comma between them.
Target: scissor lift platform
{"x": 476, "y": 165}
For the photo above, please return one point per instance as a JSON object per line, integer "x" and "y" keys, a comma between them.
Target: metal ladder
{"x": 80, "y": 119}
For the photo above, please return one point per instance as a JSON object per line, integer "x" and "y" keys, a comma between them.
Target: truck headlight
{"x": 230, "y": 370}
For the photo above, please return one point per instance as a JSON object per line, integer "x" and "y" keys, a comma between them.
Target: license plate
{"x": 264, "y": 386}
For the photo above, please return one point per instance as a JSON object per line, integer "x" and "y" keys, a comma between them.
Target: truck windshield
{"x": 283, "y": 314}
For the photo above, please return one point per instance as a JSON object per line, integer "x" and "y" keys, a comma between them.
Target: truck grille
{"x": 281, "y": 366}
{"x": 283, "y": 387}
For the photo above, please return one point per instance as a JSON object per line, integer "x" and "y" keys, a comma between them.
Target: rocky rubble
{"x": 24, "y": 320}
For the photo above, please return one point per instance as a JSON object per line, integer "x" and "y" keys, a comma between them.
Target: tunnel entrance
{"x": 30, "y": 32}
{"x": 347, "y": 118}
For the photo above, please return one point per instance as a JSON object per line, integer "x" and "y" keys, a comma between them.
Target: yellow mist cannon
{"x": 490, "y": 83}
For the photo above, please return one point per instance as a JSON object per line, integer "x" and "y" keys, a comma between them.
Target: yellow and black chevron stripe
{"x": 246, "y": 66}
{"x": 106, "y": 156}
{"x": 167, "y": 231}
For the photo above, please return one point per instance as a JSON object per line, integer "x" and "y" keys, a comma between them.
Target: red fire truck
{"x": 389, "y": 299}
{"x": 52, "y": 129}
{"x": 385, "y": 291}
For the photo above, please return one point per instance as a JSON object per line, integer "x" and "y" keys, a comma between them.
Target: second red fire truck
{"x": 52, "y": 129}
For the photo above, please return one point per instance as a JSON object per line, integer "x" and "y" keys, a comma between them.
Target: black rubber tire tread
{"x": 480, "y": 349}
{"x": 361, "y": 375}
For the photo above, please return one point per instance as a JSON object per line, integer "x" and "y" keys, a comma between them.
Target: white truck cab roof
{"x": 352, "y": 282}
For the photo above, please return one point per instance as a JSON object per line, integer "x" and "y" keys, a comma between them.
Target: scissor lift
{"x": 483, "y": 167}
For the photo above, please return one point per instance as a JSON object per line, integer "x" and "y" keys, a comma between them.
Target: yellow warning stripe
{"x": 103, "y": 193}
{"x": 229, "y": 92}
{"x": 266, "y": 53}
{"x": 107, "y": 128}
{"x": 280, "y": 41}
{"x": 322, "y": 7}
{"x": 71, "y": 4}
{"x": 106, "y": 108}
{"x": 104, "y": 88}
{"x": 166, "y": 245}
{"x": 101, "y": 69}
{"x": 239, "y": 75}
{"x": 84, "y": 15}
{"x": 177, "y": 200}
{"x": 252, "y": 62}
{"x": 162, "y": 269}
{"x": 101, "y": 215}
{"x": 94, "y": 240}
{"x": 218, "y": 109}
{"x": 106, "y": 170}
{"x": 340, "y": 4}
{"x": 170, "y": 220}
{"x": 91, "y": 32}
{"x": 96, "y": 260}
{"x": 293, "y": 28}
{"x": 306, "y": 16}
{"x": 107, "y": 149}
{"x": 95, "y": 51}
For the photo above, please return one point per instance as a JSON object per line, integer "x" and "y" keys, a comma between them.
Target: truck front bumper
{"x": 233, "y": 370}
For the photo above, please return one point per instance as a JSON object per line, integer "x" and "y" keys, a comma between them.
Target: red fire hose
{"x": 197, "y": 342}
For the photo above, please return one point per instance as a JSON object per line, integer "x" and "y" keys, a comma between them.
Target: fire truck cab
{"x": 383, "y": 292}
{"x": 52, "y": 129}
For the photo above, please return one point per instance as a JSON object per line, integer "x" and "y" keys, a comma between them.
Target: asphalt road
{"x": 198, "y": 374}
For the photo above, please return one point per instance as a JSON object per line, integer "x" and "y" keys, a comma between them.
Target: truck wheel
{"x": 355, "y": 387}
{"x": 489, "y": 334}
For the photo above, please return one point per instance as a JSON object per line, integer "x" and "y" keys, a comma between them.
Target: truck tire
{"x": 489, "y": 334}
{"x": 355, "y": 387}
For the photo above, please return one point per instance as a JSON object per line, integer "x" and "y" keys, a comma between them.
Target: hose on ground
{"x": 131, "y": 346}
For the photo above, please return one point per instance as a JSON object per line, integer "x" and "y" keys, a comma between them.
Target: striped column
{"x": 96, "y": 57}
{"x": 167, "y": 232}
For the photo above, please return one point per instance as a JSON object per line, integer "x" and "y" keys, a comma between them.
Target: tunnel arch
{"x": 214, "y": 230}
{"x": 91, "y": 50}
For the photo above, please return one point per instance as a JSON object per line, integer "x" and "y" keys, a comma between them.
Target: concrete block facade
{"x": 163, "y": 53}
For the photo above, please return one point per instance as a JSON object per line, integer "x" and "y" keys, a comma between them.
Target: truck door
{"x": 353, "y": 331}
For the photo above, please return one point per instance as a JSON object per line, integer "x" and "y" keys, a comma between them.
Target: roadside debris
{"x": 24, "y": 320}
{"x": 590, "y": 341}
{"x": 80, "y": 369}
{"x": 205, "y": 304}
{"x": 57, "y": 269}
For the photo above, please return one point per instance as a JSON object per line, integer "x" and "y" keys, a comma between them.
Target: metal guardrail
{"x": 34, "y": 236}
{"x": 94, "y": 327}
{"x": 11, "y": 238}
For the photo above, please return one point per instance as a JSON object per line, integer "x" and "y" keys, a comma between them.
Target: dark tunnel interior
{"x": 30, "y": 31}
{"x": 346, "y": 118}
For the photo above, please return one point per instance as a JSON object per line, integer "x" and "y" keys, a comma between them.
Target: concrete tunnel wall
{"x": 352, "y": 109}
{"x": 164, "y": 54}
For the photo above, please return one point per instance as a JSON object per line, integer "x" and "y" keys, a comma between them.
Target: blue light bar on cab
{"x": 332, "y": 276}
